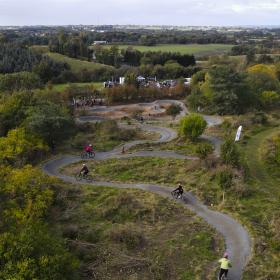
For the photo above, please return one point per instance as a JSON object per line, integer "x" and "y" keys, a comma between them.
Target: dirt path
{"x": 237, "y": 239}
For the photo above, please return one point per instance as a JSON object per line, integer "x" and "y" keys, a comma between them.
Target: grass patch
{"x": 132, "y": 234}
{"x": 196, "y": 49}
{"x": 180, "y": 145}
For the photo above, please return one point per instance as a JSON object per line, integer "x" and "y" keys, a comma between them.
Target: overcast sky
{"x": 162, "y": 12}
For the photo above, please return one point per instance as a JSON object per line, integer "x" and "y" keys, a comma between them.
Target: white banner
{"x": 238, "y": 133}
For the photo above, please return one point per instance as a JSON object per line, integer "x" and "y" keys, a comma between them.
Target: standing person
{"x": 225, "y": 265}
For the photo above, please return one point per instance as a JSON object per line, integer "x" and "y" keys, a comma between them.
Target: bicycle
{"x": 86, "y": 155}
{"x": 176, "y": 195}
{"x": 82, "y": 176}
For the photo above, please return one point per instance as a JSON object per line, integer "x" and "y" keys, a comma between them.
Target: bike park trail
{"x": 237, "y": 239}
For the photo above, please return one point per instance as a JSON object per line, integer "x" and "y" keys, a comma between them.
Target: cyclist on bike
{"x": 89, "y": 149}
{"x": 84, "y": 171}
{"x": 179, "y": 191}
{"x": 225, "y": 265}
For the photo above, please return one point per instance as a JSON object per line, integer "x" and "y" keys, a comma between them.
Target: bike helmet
{"x": 84, "y": 164}
{"x": 225, "y": 255}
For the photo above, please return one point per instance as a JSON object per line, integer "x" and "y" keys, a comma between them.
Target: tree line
{"x": 225, "y": 89}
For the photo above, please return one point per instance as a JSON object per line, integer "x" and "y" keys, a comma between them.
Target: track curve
{"x": 237, "y": 239}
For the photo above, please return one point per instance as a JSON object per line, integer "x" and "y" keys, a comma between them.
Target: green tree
{"x": 28, "y": 249}
{"x": 51, "y": 122}
{"x": 20, "y": 147}
{"x": 226, "y": 90}
{"x": 13, "y": 110}
{"x": 173, "y": 110}
{"x": 19, "y": 81}
{"x": 192, "y": 126}
{"x": 225, "y": 179}
{"x": 270, "y": 99}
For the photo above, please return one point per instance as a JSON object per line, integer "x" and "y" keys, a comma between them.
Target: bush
{"x": 204, "y": 150}
{"x": 173, "y": 110}
{"x": 229, "y": 153}
{"x": 225, "y": 178}
{"x": 259, "y": 118}
{"x": 192, "y": 126}
{"x": 273, "y": 153}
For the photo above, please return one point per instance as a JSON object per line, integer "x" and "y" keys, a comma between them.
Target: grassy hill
{"x": 77, "y": 65}
{"x": 131, "y": 234}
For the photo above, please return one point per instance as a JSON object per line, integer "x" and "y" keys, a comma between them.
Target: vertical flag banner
{"x": 238, "y": 133}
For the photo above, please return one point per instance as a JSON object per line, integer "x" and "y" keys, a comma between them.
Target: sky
{"x": 144, "y": 12}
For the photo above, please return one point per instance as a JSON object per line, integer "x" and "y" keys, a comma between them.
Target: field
{"x": 132, "y": 234}
{"x": 196, "y": 49}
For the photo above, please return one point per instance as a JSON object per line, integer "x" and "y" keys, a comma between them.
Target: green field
{"x": 195, "y": 49}
{"x": 62, "y": 87}
{"x": 77, "y": 65}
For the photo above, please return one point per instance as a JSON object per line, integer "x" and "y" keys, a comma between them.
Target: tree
{"x": 192, "y": 126}
{"x": 28, "y": 249}
{"x": 226, "y": 90}
{"x": 225, "y": 179}
{"x": 51, "y": 122}
{"x": 270, "y": 99}
{"x": 19, "y": 81}
{"x": 13, "y": 110}
{"x": 173, "y": 110}
{"x": 262, "y": 78}
{"x": 20, "y": 147}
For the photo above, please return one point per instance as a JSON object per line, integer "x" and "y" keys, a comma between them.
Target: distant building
{"x": 187, "y": 81}
{"x": 100, "y": 43}
{"x": 140, "y": 79}
{"x": 122, "y": 80}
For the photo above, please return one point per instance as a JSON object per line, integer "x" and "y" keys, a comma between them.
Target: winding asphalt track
{"x": 238, "y": 243}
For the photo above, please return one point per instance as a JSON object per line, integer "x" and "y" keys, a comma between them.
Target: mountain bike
{"x": 82, "y": 176}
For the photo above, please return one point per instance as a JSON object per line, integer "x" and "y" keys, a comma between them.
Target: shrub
{"x": 204, "y": 150}
{"x": 192, "y": 126}
{"x": 131, "y": 237}
{"x": 229, "y": 153}
{"x": 173, "y": 110}
{"x": 225, "y": 178}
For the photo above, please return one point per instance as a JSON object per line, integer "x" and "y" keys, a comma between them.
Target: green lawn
{"x": 76, "y": 65}
{"x": 195, "y": 49}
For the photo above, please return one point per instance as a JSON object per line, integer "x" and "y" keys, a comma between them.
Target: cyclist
{"x": 84, "y": 171}
{"x": 89, "y": 149}
{"x": 179, "y": 191}
{"x": 225, "y": 265}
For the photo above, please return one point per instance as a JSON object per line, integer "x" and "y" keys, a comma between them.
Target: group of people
{"x": 225, "y": 263}
{"x": 88, "y": 101}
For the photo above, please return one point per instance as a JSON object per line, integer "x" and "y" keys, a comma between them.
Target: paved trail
{"x": 237, "y": 239}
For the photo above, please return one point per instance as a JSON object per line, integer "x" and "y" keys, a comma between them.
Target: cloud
{"x": 176, "y": 12}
